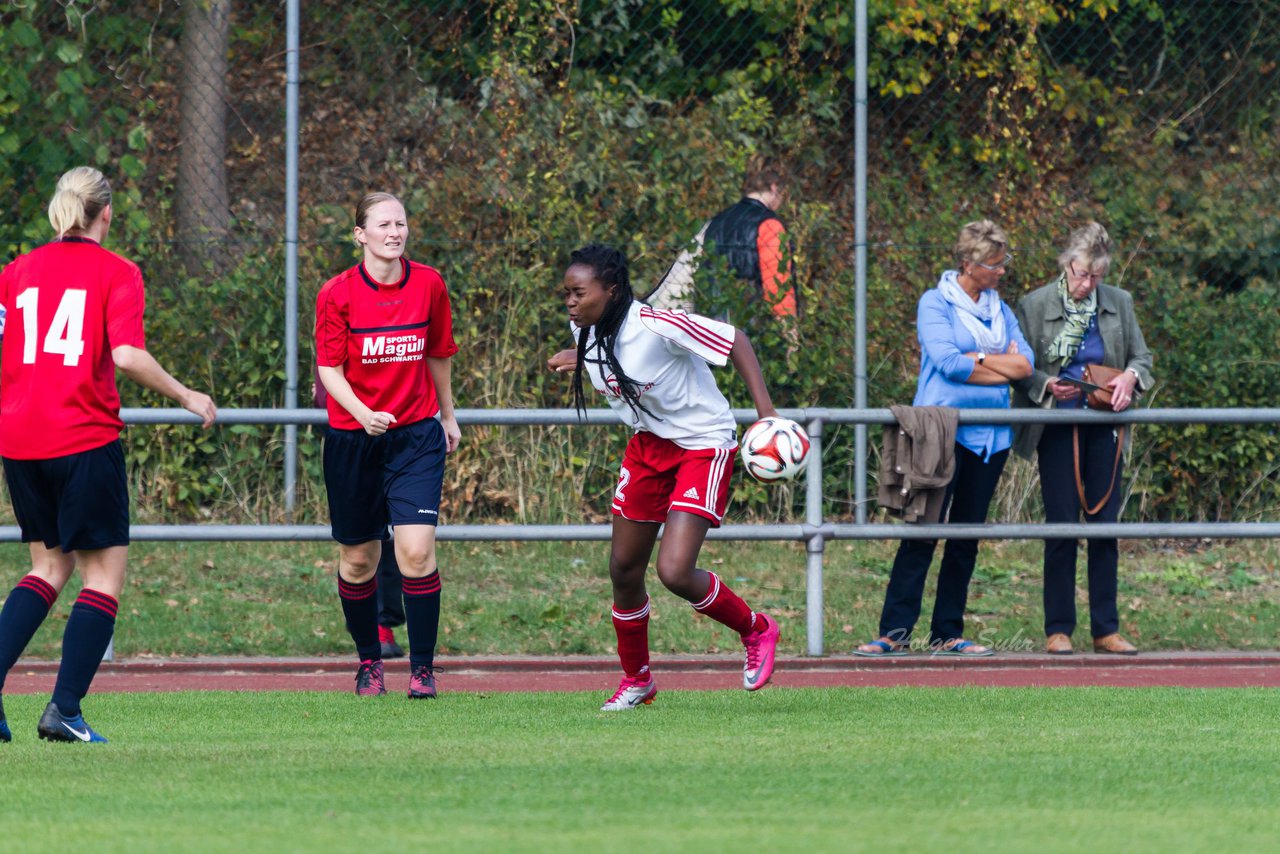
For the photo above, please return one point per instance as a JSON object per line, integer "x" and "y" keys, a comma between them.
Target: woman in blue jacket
{"x": 972, "y": 349}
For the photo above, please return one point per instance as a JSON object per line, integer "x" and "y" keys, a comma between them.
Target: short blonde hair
{"x": 80, "y": 197}
{"x": 979, "y": 240}
{"x": 1090, "y": 246}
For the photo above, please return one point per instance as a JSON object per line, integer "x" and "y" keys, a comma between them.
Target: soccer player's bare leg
{"x": 104, "y": 569}
{"x": 677, "y": 557}
{"x": 416, "y": 554}
{"x": 357, "y": 564}
{"x": 630, "y": 548}
{"x": 357, "y": 592}
{"x": 85, "y": 639}
{"x": 54, "y": 566}
{"x": 629, "y": 553}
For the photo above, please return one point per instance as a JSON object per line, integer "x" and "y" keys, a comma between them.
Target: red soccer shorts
{"x": 659, "y": 476}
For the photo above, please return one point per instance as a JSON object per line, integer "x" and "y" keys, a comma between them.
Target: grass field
{"x": 553, "y": 598}
{"x": 975, "y": 769}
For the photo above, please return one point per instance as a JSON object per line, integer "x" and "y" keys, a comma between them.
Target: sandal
{"x": 962, "y": 647}
{"x": 881, "y": 648}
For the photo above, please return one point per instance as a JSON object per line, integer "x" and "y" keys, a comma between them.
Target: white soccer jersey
{"x": 667, "y": 354}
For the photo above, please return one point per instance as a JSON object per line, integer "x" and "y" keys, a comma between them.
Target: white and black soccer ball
{"x": 774, "y": 449}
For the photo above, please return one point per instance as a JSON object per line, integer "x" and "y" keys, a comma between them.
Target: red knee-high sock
{"x": 725, "y": 606}
{"x": 632, "y": 628}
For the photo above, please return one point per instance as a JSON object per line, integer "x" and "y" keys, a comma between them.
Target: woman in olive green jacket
{"x": 1072, "y": 322}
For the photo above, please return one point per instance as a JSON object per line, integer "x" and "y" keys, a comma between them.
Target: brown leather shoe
{"x": 1113, "y": 644}
{"x": 1058, "y": 644}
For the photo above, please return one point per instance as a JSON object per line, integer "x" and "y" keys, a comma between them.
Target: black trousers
{"x": 390, "y": 587}
{"x": 1062, "y": 504}
{"x": 967, "y": 500}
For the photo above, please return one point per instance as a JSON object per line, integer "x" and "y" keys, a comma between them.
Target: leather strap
{"x": 1115, "y": 467}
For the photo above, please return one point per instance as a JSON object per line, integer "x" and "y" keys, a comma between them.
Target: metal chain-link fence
{"x": 516, "y": 130}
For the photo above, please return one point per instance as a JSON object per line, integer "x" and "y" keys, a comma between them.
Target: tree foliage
{"x": 516, "y": 130}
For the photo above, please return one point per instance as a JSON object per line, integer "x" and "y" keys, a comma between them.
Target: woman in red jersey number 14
{"x": 73, "y": 316}
{"x": 384, "y": 339}
{"x": 651, "y": 366}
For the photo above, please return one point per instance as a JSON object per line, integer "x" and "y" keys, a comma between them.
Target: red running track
{"x": 589, "y": 673}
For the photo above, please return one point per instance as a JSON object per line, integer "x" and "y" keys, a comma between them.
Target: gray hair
{"x": 1090, "y": 247}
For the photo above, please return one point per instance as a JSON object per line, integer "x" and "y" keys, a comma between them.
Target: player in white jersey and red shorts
{"x": 652, "y": 367}
{"x": 73, "y": 316}
{"x": 384, "y": 339}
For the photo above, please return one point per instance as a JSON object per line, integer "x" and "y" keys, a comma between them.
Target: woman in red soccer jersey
{"x": 651, "y": 366}
{"x": 384, "y": 338}
{"x": 73, "y": 316}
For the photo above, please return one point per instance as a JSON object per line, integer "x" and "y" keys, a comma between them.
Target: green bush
{"x": 516, "y": 132}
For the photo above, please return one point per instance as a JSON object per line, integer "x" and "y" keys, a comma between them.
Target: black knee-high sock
{"x": 422, "y": 617}
{"x": 23, "y": 612}
{"x": 360, "y": 607}
{"x": 84, "y": 642}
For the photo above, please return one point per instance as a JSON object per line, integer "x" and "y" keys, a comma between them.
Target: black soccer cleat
{"x": 371, "y": 679}
{"x": 4, "y": 725}
{"x": 55, "y": 726}
{"x": 387, "y": 638}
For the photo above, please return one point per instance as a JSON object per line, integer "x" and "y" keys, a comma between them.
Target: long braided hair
{"x": 609, "y": 267}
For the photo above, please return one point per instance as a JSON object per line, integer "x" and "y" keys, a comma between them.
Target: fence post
{"x": 860, "y": 257}
{"x": 291, "y": 255}
{"x": 816, "y": 542}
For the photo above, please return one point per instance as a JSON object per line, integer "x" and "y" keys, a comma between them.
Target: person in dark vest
{"x": 750, "y": 238}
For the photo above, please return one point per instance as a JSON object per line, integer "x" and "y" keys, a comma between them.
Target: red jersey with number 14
{"x": 382, "y": 335}
{"x": 68, "y": 305}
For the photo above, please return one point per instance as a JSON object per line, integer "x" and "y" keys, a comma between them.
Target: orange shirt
{"x": 774, "y": 274}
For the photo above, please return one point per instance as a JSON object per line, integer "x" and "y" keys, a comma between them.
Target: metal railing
{"x": 814, "y": 531}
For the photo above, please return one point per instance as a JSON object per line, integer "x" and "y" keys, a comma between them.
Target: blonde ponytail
{"x": 81, "y": 195}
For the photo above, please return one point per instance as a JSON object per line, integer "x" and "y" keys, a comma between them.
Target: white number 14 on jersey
{"x": 65, "y": 337}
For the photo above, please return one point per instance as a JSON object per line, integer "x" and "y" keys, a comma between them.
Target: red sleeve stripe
{"x": 700, "y": 334}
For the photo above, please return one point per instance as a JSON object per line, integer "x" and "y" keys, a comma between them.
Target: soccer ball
{"x": 774, "y": 449}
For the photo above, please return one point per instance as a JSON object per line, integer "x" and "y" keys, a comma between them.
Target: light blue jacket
{"x": 944, "y": 369}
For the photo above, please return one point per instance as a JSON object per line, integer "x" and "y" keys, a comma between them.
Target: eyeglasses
{"x": 1093, "y": 277}
{"x": 1004, "y": 263}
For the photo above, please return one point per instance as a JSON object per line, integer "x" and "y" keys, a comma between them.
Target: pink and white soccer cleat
{"x": 760, "y": 647}
{"x": 632, "y": 692}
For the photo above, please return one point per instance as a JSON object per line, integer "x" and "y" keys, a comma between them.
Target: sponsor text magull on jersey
{"x": 392, "y": 348}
